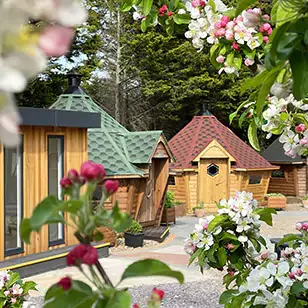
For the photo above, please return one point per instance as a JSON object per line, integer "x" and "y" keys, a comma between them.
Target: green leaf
{"x": 243, "y": 117}
{"x": 182, "y": 19}
{"x": 126, "y": 5}
{"x": 242, "y": 5}
{"x": 212, "y": 4}
{"x": 217, "y": 221}
{"x": 25, "y": 230}
{"x": 234, "y": 114}
{"x": 194, "y": 256}
{"x": 230, "y": 13}
{"x": 226, "y": 296}
{"x": 299, "y": 66}
{"x": 170, "y": 29}
{"x": 238, "y": 300}
{"x": 98, "y": 236}
{"x": 256, "y": 244}
{"x": 146, "y": 7}
{"x": 120, "y": 299}
{"x": 144, "y": 25}
{"x": 229, "y": 236}
{"x": 266, "y": 215}
{"x": 298, "y": 287}
{"x": 44, "y": 212}
{"x": 71, "y": 206}
{"x": 151, "y": 267}
{"x": 14, "y": 278}
{"x": 262, "y": 241}
{"x": 28, "y": 285}
{"x": 253, "y": 136}
{"x": 289, "y": 238}
{"x": 255, "y": 82}
{"x": 121, "y": 220}
{"x": 286, "y": 45}
{"x": 283, "y": 15}
{"x": 237, "y": 62}
{"x": 222, "y": 256}
{"x": 214, "y": 52}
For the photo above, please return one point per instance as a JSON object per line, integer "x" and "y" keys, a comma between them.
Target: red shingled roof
{"x": 196, "y": 135}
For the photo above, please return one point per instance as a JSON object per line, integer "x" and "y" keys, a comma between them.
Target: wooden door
{"x": 213, "y": 180}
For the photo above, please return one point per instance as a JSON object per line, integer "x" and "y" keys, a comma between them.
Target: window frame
{"x": 261, "y": 179}
{"x": 20, "y": 198}
{"x": 61, "y": 227}
{"x": 279, "y": 177}
{"x": 173, "y": 180}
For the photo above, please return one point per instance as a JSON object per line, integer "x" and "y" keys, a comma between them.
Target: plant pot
{"x": 275, "y": 202}
{"x": 199, "y": 212}
{"x": 133, "y": 239}
{"x": 168, "y": 215}
{"x": 305, "y": 204}
{"x": 179, "y": 210}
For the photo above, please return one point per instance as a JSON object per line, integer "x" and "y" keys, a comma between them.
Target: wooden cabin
{"x": 52, "y": 143}
{"x": 212, "y": 163}
{"x": 291, "y": 178}
{"x": 139, "y": 160}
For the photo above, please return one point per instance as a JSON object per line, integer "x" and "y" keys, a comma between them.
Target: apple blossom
{"x": 300, "y": 128}
{"x": 249, "y": 62}
{"x": 220, "y": 59}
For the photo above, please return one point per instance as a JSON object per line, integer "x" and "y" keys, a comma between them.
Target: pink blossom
{"x": 303, "y": 141}
{"x": 66, "y": 183}
{"x": 305, "y": 226}
{"x": 235, "y": 46}
{"x": 7, "y": 293}
{"x": 220, "y": 59}
{"x": 92, "y": 171}
{"x": 230, "y": 246}
{"x": 55, "y": 41}
{"x": 163, "y": 10}
{"x": 299, "y": 272}
{"x": 217, "y": 25}
{"x": 220, "y": 32}
{"x": 291, "y": 275}
{"x": 13, "y": 300}
{"x": 265, "y": 16}
{"x": 223, "y": 24}
{"x": 225, "y": 19}
{"x": 198, "y": 3}
{"x": 111, "y": 186}
{"x": 249, "y": 62}
{"x": 298, "y": 226}
{"x": 265, "y": 39}
{"x": 266, "y": 26}
{"x": 73, "y": 174}
{"x": 205, "y": 226}
{"x": 229, "y": 35}
{"x": 265, "y": 255}
{"x": 230, "y": 24}
{"x": 290, "y": 154}
{"x": 269, "y": 31}
{"x": 300, "y": 128}
{"x": 232, "y": 273}
{"x": 239, "y": 18}
{"x": 169, "y": 14}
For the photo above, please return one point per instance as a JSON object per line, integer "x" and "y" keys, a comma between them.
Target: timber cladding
{"x": 35, "y": 178}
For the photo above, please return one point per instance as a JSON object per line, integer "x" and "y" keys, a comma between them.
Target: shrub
{"x": 134, "y": 227}
{"x": 200, "y": 206}
{"x": 169, "y": 200}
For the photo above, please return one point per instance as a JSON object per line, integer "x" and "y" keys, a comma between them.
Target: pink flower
{"x": 265, "y": 255}
{"x": 235, "y": 46}
{"x": 291, "y": 275}
{"x": 238, "y": 19}
{"x": 65, "y": 283}
{"x": 73, "y": 175}
{"x": 163, "y": 10}
{"x": 305, "y": 226}
{"x": 265, "y": 16}
{"x": 220, "y": 59}
{"x": 265, "y": 39}
{"x": 223, "y": 24}
{"x": 266, "y": 27}
{"x": 198, "y": 3}
{"x": 159, "y": 293}
{"x": 136, "y": 306}
{"x": 300, "y": 128}
{"x": 111, "y": 186}
{"x": 249, "y": 62}
{"x": 269, "y": 31}
{"x": 55, "y": 41}
{"x": 299, "y": 272}
{"x": 303, "y": 141}
{"x": 230, "y": 246}
{"x": 82, "y": 253}
{"x": 205, "y": 226}
{"x": 92, "y": 171}
{"x": 217, "y": 25}
{"x": 225, "y": 19}
{"x": 7, "y": 293}
{"x": 229, "y": 35}
{"x": 169, "y": 14}
{"x": 66, "y": 183}
{"x": 298, "y": 226}
{"x": 13, "y": 300}
{"x": 220, "y": 32}
{"x": 232, "y": 273}
{"x": 230, "y": 24}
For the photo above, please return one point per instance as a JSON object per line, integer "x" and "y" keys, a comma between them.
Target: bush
{"x": 200, "y": 206}
{"x": 305, "y": 197}
{"x": 274, "y": 195}
{"x": 134, "y": 227}
{"x": 169, "y": 200}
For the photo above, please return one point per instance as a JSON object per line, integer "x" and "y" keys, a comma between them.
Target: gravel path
{"x": 198, "y": 294}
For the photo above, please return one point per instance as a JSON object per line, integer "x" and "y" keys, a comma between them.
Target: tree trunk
{"x": 117, "y": 106}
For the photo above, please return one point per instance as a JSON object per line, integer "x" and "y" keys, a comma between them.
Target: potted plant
{"x": 179, "y": 209}
{"x": 305, "y": 201}
{"x": 199, "y": 210}
{"x": 133, "y": 235}
{"x": 169, "y": 209}
{"x": 276, "y": 201}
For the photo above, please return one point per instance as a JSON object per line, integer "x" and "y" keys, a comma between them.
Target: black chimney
{"x": 205, "y": 111}
{"x": 74, "y": 81}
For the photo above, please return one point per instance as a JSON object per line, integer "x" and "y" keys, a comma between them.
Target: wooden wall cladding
{"x": 35, "y": 177}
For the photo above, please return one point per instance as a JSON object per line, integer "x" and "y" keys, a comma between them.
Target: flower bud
{"x": 230, "y": 246}
{"x": 265, "y": 16}
{"x": 159, "y": 293}
{"x": 136, "y": 306}
{"x": 225, "y": 19}
{"x": 298, "y": 226}
{"x": 111, "y": 186}
{"x": 291, "y": 275}
{"x": 265, "y": 39}
{"x": 249, "y": 62}
{"x": 220, "y": 59}
{"x": 82, "y": 254}
{"x": 303, "y": 141}
{"x": 299, "y": 272}
{"x": 305, "y": 226}
{"x": 265, "y": 255}
{"x": 169, "y": 14}
{"x": 235, "y": 46}
{"x": 92, "y": 171}
{"x": 232, "y": 273}
{"x": 300, "y": 128}
{"x": 163, "y": 10}
{"x": 65, "y": 283}
{"x": 73, "y": 175}
{"x": 66, "y": 183}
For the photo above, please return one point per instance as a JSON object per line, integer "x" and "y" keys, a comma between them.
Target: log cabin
{"x": 138, "y": 160}
{"x": 52, "y": 143}
{"x": 291, "y": 178}
{"x": 212, "y": 163}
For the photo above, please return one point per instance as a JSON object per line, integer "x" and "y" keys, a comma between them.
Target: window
{"x": 212, "y": 170}
{"x": 55, "y": 173}
{"x": 171, "y": 180}
{"x": 13, "y": 199}
{"x": 255, "y": 179}
{"x": 278, "y": 174}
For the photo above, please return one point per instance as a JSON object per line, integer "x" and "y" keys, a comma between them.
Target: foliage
{"x": 134, "y": 227}
{"x": 200, "y": 206}
{"x": 169, "y": 200}
{"x": 274, "y": 195}
{"x": 14, "y": 291}
{"x": 305, "y": 197}
{"x": 86, "y": 221}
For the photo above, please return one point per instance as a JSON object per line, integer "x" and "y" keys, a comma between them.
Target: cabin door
{"x": 213, "y": 181}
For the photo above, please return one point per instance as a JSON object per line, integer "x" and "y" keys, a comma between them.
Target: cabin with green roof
{"x": 139, "y": 160}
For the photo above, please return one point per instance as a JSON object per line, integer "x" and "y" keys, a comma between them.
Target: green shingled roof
{"x": 112, "y": 145}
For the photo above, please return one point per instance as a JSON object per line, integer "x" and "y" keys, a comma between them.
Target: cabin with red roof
{"x": 212, "y": 163}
